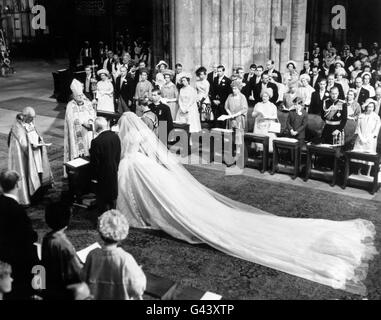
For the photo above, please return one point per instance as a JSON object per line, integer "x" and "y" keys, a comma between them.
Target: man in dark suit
{"x": 247, "y": 79}
{"x": 271, "y": 69}
{"x": 220, "y": 92}
{"x": 105, "y": 155}
{"x": 306, "y": 68}
{"x": 297, "y": 121}
{"x": 266, "y": 84}
{"x": 255, "y": 86}
{"x": 16, "y": 238}
{"x": 87, "y": 86}
{"x": 316, "y": 77}
{"x": 163, "y": 113}
{"x": 107, "y": 64}
{"x": 362, "y": 93}
{"x": 212, "y": 76}
{"x": 124, "y": 91}
{"x": 331, "y": 83}
{"x": 318, "y": 97}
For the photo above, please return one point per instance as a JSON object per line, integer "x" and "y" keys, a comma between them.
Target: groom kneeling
{"x": 104, "y": 161}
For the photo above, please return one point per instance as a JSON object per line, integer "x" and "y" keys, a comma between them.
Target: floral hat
{"x": 113, "y": 225}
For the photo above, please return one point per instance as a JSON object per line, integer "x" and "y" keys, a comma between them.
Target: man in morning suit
{"x": 362, "y": 93}
{"x": 124, "y": 91}
{"x": 105, "y": 155}
{"x": 270, "y": 65}
{"x": 16, "y": 238}
{"x": 87, "y": 86}
{"x": 219, "y": 94}
{"x": 266, "y": 84}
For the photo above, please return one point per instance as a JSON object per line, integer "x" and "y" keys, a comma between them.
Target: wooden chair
{"x": 291, "y": 145}
{"x": 366, "y": 181}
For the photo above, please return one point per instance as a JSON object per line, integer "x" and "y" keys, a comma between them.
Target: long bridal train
{"x": 157, "y": 192}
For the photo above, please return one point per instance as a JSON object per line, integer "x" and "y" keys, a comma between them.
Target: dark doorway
{"x": 362, "y": 20}
{"x": 71, "y": 22}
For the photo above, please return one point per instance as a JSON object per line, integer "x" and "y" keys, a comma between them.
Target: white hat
{"x": 76, "y": 87}
{"x": 184, "y": 75}
{"x": 160, "y": 63}
{"x": 103, "y": 71}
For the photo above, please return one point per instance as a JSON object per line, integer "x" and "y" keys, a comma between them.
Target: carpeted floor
{"x": 205, "y": 268}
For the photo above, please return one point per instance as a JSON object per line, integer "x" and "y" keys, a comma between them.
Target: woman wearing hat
{"x": 105, "y": 92}
{"x": 265, "y": 113}
{"x": 341, "y": 79}
{"x": 188, "y": 109}
{"x": 368, "y": 129}
{"x": 353, "y": 113}
{"x": 170, "y": 93}
{"x": 305, "y": 90}
{"x": 161, "y": 68}
{"x": 236, "y": 106}
{"x": 366, "y": 77}
{"x": 110, "y": 272}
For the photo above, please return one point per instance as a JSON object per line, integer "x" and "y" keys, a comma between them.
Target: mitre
{"x": 76, "y": 87}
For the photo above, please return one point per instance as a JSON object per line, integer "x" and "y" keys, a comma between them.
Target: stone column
{"x": 185, "y": 33}
{"x": 226, "y": 35}
{"x": 237, "y": 30}
{"x": 262, "y": 30}
{"x": 285, "y": 45}
{"x": 276, "y": 20}
{"x": 247, "y": 33}
{"x": 298, "y": 31}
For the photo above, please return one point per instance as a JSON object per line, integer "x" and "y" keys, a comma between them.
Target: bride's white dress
{"x": 156, "y": 192}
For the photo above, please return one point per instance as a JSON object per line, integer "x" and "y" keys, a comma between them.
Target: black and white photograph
{"x": 210, "y": 151}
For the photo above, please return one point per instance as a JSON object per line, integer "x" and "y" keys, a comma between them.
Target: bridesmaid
{"x": 170, "y": 93}
{"x": 202, "y": 88}
{"x": 188, "y": 110}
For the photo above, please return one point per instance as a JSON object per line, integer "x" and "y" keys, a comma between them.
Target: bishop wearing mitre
{"x": 28, "y": 156}
{"x": 79, "y": 119}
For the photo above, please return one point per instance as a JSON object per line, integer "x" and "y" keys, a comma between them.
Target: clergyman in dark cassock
{"x": 105, "y": 155}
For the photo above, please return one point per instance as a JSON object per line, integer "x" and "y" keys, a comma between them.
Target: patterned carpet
{"x": 205, "y": 268}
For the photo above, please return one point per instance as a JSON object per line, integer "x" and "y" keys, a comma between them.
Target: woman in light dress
{"x": 236, "y": 105}
{"x": 161, "y": 68}
{"x": 203, "y": 101}
{"x": 188, "y": 110}
{"x": 264, "y": 114}
{"x": 368, "y": 129}
{"x": 305, "y": 90}
{"x": 341, "y": 79}
{"x": 105, "y": 92}
{"x": 157, "y": 192}
{"x": 170, "y": 94}
{"x": 354, "y": 111}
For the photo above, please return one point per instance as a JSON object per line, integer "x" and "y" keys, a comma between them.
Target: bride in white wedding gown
{"x": 157, "y": 192}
